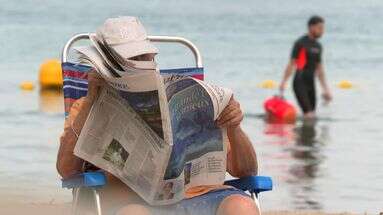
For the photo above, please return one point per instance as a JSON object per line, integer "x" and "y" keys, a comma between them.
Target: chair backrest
{"x": 76, "y": 80}
{"x": 75, "y": 75}
{"x": 75, "y": 83}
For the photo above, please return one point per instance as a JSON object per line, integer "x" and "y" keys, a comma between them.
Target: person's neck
{"x": 311, "y": 36}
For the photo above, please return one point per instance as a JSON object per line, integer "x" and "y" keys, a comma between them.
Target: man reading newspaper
{"x": 165, "y": 142}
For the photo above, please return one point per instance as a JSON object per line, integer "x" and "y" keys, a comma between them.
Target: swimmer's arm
{"x": 241, "y": 156}
{"x": 322, "y": 79}
{"x": 286, "y": 75}
{"x": 321, "y": 76}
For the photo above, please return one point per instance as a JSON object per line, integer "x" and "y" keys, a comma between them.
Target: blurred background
{"x": 332, "y": 165}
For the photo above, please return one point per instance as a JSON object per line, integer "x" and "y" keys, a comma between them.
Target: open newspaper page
{"x": 116, "y": 138}
{"x": 198, "y": 154}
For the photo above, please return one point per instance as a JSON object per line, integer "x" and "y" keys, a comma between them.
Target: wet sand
{"x": 34, "y": 209}
{"x": 64, "y": 209}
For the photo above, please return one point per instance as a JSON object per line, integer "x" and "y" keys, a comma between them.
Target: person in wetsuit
{"x": 306, "y": 59}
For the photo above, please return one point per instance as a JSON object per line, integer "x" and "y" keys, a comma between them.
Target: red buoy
{"x": 278, "y": 110}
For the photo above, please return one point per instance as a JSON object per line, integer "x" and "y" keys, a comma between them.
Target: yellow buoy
{"x": 268, "y": 84}
{"x": 27, "y": 85}
{"x": 345, "y": 84}
{"x": 50, "y": 75}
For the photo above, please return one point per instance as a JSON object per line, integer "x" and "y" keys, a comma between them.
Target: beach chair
{"x": 75, "y": 86}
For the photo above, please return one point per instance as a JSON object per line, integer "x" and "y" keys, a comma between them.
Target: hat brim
{"x": 132, "y": 49}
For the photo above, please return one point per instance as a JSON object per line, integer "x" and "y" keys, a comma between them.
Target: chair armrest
{"x": 87, "y": 179}
{"x": 253, "y": 184}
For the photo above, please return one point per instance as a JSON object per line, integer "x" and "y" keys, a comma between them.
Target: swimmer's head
{"x": 316, "y": 26}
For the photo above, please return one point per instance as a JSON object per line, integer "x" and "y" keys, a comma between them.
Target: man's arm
{"x": 322, "y": 79}
{"x": 241, "y": 157}
{"x": 286, "y": 75}
{"x": 67, "y": 163}
{"x": 290, "y": 66}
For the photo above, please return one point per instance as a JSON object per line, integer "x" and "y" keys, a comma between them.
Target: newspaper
{"x": 155, "y": 133}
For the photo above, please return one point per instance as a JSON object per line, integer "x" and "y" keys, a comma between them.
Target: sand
{"x": 302, "y": 213}
{"x": 34, "y": 209}
{"x": 64, "y": 209}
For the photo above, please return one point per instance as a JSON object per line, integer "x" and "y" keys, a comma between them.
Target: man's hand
{"x": 231, "y": 116}
{"x": 95, "y": 82}
{"x": 327, "y": 96}
{"x": 286, "y": 75}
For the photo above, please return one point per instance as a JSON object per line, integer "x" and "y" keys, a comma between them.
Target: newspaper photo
{"x": 155, "y": 132}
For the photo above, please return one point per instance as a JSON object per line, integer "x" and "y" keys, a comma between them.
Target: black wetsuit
{"x": 307, "y": 55}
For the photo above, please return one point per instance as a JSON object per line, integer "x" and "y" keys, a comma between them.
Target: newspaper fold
{"x": 157, "y": 134}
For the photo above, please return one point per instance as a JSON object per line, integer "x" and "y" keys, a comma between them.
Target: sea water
{"x": 334, "y": 164}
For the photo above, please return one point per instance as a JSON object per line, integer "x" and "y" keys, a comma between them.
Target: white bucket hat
{"x": 127, "y": 36}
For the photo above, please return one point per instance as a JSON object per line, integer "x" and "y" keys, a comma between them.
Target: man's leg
{"x": 304, "y": 97}
{"x": 238, "y": 204}
{"x": 309, "y": 115}
{"x": 222, "y": 202}
{"x": 312, "y": 100}
{"x": 214, "y": 202}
